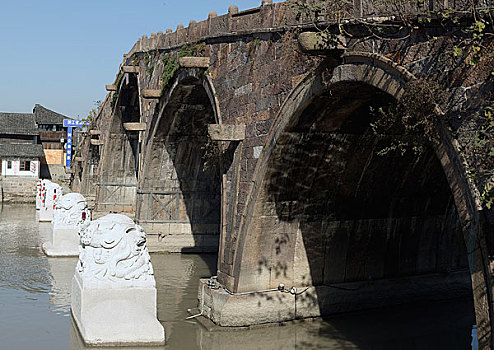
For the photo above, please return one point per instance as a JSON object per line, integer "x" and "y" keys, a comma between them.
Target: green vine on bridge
{"x": 117, "y": 83}
{"x": 170, "y": 61}
{"x": 416, "y": 115}
{"x": 480, "y": 143}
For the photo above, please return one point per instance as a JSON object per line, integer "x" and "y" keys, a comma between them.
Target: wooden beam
{"x": 151, "y": 93}
{"x": 111, "y": 87}
{"x": 226, "y": 132}
{"x": 94, "y": 132}
{"x": 134, "y": 126}
{"x": 79, "y": 159}
{"x": 193, "y": 62}
{"x": 130, "y": 69}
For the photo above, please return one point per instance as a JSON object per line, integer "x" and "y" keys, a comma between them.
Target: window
{"x": 49, "y": 127}
{"x": 9, "y": 164}
{"x": 25, "y": 165}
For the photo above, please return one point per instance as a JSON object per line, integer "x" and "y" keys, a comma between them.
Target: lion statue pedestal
{"x": 113, "y": 289}
{"x": 70, "y": 216}
{"x": 49, "y": 197}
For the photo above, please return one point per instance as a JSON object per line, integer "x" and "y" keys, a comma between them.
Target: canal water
{"x": 35, "y": 306}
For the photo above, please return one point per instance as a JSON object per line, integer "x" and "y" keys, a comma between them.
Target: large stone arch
{"x": 369, "y": 73}
{"x": 179, "y": 192}
{"x": 117, "y": 180}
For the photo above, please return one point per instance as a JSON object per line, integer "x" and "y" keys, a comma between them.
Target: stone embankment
{"x": 21, "y": 189}
{"x": 18, "y": 189}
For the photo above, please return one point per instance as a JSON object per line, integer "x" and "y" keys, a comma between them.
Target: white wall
{"x": 15, "y": 170}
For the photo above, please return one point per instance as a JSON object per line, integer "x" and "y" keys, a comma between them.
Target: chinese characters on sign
{"x": 69, "y": 124}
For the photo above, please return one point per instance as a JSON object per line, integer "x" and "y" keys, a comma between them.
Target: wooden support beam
{"x": 111, "y": 87}
{"x": 94, "y": 132}
{"x": 134, "y": 126}
{"x": 193, "y": 62}
{"x": 130, "y": 69}
{"x": 79, "y": 159}
{"x": 226, "y": 132}
{"x": 151, "y": 93}
{"x": 96, "y": 142}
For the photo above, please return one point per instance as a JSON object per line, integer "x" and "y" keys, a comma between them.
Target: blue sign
{"x": 69, "y": 147}
{"x": 69, "y": 124}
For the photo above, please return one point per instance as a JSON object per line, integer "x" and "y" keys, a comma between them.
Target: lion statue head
{"x": 113, "y": 248}
{"x": 71, "y": 209}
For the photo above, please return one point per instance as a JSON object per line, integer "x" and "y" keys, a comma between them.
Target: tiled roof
{"x": 18, "y": 124}
{"x": 45, "y": 116}
{"x": 21, "y": 150}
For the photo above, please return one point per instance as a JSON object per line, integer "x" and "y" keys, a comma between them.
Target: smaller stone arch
{"x": 183, "y": 76}
{"x": 117, "y": 178}
{"x": 87, "y": 171}
{"x": 179, "y": 189}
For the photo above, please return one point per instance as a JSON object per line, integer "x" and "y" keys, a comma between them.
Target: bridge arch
{"x": 116, "y": 189}
{"x": 309, "y": 191}
{"x": 179, "y": 193}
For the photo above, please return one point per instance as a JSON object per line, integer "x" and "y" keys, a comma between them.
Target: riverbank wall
{"x": 18, "y": 189}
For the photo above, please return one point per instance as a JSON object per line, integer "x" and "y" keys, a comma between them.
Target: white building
{"x": 20, "y": 159}
{"x": 20, "y": 152}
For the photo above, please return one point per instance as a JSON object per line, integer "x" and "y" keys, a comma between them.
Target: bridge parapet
{"x": 271, "y": 17}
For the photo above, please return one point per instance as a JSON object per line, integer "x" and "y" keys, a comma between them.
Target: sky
{"x": 62, "y": 53}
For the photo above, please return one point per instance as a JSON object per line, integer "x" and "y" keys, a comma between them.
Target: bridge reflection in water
{"x": 35, "y": 306}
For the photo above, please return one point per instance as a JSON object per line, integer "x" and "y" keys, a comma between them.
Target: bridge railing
{"x": 279, "y": 16}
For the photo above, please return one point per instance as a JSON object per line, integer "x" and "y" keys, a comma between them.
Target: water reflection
{"x": 62, "y": 271}
{"x": 25, "y": 282}
{"x": 35, "y": 299}
{"x": 388, "y": 329}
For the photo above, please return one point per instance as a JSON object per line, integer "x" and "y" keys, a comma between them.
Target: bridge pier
{"x": 287, "y": 303}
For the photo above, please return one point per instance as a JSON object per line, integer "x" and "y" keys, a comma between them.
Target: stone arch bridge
{"x": 249, "y": 135}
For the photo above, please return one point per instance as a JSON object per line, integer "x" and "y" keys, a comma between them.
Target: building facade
{"x": 33, "y": 144}
{"x": 20, "y": 152}
{"x": 52, "y": 135}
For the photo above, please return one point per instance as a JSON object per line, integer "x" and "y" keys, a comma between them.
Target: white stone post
{"x": 38, "y": 194}
{"x": 52, "y": 192}
{"x": 70, "y": 216}
{"x": 43, "y": 193}
{"x": 113, "y": 289}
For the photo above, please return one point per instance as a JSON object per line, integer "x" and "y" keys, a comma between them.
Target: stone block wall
{"x": 18, "y": 189}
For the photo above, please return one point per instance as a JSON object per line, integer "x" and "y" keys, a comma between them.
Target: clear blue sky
{"x": 61, "y": 53}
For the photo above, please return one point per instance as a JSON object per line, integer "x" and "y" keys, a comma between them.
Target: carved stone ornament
{"x": 113, "y": 253}
{"x": 72, "y": 210}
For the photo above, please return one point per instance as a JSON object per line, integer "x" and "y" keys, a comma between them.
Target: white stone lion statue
{"x": 113, "y": 249}
{"x": 71, "y": 210}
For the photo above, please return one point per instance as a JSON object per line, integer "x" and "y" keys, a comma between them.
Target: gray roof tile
{"x": 21, "y": 150}
{"x": 18, "y": 124}
{"x": 46, "y": 116}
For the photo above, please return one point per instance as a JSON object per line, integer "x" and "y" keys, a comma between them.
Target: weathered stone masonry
{"x": 298, "y": 195}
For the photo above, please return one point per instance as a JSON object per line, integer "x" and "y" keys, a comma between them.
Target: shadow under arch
{"x": 179, "y": 193}
{"x": 317, "y": 181}
{"x": 118, "y": 173}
